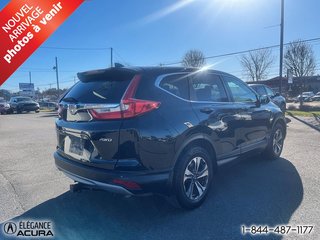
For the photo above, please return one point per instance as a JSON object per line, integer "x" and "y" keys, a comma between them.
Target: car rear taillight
{"x": 129, "y": 106}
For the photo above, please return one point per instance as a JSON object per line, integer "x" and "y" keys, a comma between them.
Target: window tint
{"x": 104, "y": 89}
{"x": 260, "y": 90}
{"x": 207, "y": 87}
{"x": 177, "y": 85}
{"x": 270, "y": 92}
{"x": 240, "y": 91}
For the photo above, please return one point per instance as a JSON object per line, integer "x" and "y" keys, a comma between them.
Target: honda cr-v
{"x": 161, "y": 130}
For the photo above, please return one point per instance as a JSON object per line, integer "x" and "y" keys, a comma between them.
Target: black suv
{"x": 23, "y": 104}
{"x": 161, "y": 130}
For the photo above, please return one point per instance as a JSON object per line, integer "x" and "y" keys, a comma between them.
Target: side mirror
{"x": 264, "y": 99}
{"x": 277, "y": 94}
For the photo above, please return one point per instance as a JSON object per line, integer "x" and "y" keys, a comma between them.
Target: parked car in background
{"x": 276, "y": 98}
{"x": 23, "y": 104}
{"x": 161, "y": 130}
{"x": 4, "y": 107}
{"x": 305, "y": 97}
{"x": 316, "y": 97}
{"x": 48, "y": 105}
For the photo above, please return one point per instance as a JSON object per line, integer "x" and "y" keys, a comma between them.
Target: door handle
{"x": 206, "y": 110}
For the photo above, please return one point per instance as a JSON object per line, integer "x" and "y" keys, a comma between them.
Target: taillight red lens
{"x": 101, "y": 114}
{"x": 129, "y": 106}
{"x": 135, "y": 107}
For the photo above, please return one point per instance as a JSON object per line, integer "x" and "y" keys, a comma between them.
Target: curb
{"x": 310, "y": 125}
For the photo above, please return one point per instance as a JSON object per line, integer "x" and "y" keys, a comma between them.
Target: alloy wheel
{"x": 196, "y": 178}
{"x": 277, "y": 142}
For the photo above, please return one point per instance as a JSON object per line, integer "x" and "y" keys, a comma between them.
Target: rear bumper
{"x": 128, "y": 183}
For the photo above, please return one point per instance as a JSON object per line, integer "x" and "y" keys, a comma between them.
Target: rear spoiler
{"x": 101, "y": 74}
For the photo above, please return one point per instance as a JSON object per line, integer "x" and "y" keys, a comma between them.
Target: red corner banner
{"x": 25, "y": 25}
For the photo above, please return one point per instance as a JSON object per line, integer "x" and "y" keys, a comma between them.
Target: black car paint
{"x": 145, "y": 149}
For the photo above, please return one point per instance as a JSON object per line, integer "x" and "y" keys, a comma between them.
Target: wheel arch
{"x": 200, "y": 140}
{"x": 282, "y": 121}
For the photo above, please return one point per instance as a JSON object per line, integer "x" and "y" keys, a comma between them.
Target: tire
{"x": 275, "y": 145}
{"x": 191, "y": 189}
{"x": 37, "y": 111}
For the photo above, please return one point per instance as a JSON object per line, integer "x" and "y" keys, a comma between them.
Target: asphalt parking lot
{"x": 255, "y": 191}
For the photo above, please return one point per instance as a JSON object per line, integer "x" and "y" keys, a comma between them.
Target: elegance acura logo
{"x": 10, "y": 228}
{"x": 28, "y": 229}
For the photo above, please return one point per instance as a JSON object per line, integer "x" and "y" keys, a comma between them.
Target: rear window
{"x": 176, "y": 84}
{"x": 100, "y": 89}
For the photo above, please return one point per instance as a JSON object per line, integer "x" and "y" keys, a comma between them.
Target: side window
{"x": 177, "y": 85}
{"x": 260, "y": 90}
{"x": 240, "y": 91}
{"x": 270, "y": 92}
{"x": 207, "y": 87}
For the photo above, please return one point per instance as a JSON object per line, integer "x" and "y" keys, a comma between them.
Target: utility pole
{"x": 57, "y": 74}
{"x": 281, "y": 43}
{"x": 111, "y": 56}
{"x": 30, "y": 77}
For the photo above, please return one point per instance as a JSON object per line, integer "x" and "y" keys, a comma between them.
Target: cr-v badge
{"x": 105, "y": 139}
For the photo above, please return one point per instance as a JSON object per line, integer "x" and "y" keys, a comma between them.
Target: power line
{"x": 39, "y": 70}
{"x": 121, "y": 58}
{"x": 246, "y": 51}
{"x": 77, "y": 49}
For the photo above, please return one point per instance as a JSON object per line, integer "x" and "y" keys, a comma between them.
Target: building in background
{"x": 299, "y": 84}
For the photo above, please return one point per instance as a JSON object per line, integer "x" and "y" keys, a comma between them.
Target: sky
{"x": 149, "y": 32}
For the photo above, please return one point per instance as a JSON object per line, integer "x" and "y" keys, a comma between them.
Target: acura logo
{"x": 10, "y": 228}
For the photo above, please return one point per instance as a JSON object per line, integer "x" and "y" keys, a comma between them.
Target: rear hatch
{"x": 91, "y": 114}
{"x": 88, "y": 138}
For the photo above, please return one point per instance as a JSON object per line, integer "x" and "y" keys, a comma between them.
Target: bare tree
{"x": 256, "y": 64}
{"x": 299, "y": 57}
{"x": 193, "y": 58}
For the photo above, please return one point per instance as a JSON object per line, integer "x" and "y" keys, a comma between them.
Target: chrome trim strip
{"x": 161, "y": 77}
{"x": 104, "y": 186}
{"x": 74, "y": 108}
{"x": 225, "y": 161}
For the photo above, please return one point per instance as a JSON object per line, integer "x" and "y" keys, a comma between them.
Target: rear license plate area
{"x": 75, "y": 147}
